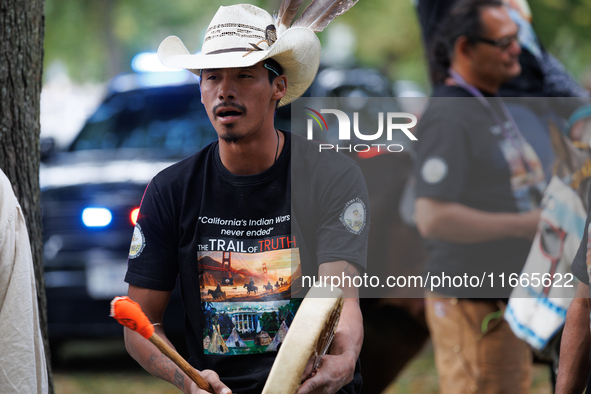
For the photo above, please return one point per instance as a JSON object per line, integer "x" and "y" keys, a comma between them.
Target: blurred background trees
{"x": 97, "y": 39}
{"x": 564, "y": 27}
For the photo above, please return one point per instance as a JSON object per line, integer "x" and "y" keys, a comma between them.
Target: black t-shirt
{"x": 240, "y": 245}
{"x": 464, "y": 156}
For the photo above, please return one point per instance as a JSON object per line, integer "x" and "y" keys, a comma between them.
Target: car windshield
{"x": 170, "y": 120}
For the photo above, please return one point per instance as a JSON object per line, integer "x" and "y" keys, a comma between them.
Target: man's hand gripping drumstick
{"x": 130, "y": 314}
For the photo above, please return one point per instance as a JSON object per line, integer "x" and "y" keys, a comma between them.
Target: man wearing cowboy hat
{"x": 241, "y": 208}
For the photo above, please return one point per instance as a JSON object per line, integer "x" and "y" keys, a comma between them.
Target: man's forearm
{"x": 350, "y": 330}
{"x": 338, "y": 367}
{"x": 153, "y": 361}
{"x": 574, "y": 349}
{"x": 459, "y": 223}
{"x": 349, "y": 335}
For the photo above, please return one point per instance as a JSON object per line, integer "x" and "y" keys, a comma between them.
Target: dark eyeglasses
{"x": 503, "y": 43}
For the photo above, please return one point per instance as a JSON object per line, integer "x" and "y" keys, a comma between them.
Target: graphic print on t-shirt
{"x": 527, "y": 175}
{"x": 246, "y": 297}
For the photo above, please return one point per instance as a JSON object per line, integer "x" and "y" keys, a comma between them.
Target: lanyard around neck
{"x": 513, "y": 135}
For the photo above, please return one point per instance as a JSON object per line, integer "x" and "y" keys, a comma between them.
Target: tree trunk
{"x": 21, "y": 63}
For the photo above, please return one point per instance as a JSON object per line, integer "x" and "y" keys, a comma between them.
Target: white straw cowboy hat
{"x": 243, "y": 35}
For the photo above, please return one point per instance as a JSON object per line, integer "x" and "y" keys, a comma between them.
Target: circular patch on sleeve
{"x": 353, "y": 216}
{"x": 434, "y": 170}
{"x": 138, "y": 242}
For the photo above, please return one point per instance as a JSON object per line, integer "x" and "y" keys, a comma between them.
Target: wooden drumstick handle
{"x": 130, "y": 314}
{"x": 181, "y": 362}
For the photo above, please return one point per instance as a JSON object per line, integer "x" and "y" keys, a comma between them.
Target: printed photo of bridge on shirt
{"x": 246, "y": 277}
{"x": 246, "y": 297}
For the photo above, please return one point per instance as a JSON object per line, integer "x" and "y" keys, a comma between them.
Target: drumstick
{"x": 130, "y": 314}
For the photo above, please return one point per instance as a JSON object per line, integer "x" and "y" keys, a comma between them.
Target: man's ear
{"x": 279, "y": 87}
{"x": 462, "y": 47}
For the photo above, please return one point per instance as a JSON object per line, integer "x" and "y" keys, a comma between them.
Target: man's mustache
{"x": 236, "y": 106}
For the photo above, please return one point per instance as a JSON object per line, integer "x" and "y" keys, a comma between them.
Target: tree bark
{"x": 21, "y": 64}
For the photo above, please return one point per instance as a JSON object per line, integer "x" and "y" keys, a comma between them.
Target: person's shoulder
{"x": 177, "y": 174}
{"x": 319, "y": 155}
{"x": 175, "y": 179}
{"x": 8, "y": 201}
{"x": 450, "y": 91}
{"x": 450, "y": 110}
{"x": 5, "y": 186}
{"x": 447, "y": 101}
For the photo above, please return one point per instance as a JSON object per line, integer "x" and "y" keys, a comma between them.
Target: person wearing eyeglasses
{"x": 542, "y": 74}
{"x": 478, "y": 188}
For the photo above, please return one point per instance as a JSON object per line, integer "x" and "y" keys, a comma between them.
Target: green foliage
{"x": 98, "y": 39}
{"x": 226, "y": 325}
{"x": 564, "y": 28}
{"x": 388, "y": 38}
{"x": 287, "y": 313}
{"x": 269, "y": 322}
{"x": 210, "y": 317}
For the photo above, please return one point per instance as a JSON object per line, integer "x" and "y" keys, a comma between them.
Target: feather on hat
{"x": 243, "y": 35}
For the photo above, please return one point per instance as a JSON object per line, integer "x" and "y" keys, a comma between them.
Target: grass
{"x": 111, "y": 383}
{"x": 420, "y": 376}
{"x": 102, "y": 367}
{"x": 105, "y": 368}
